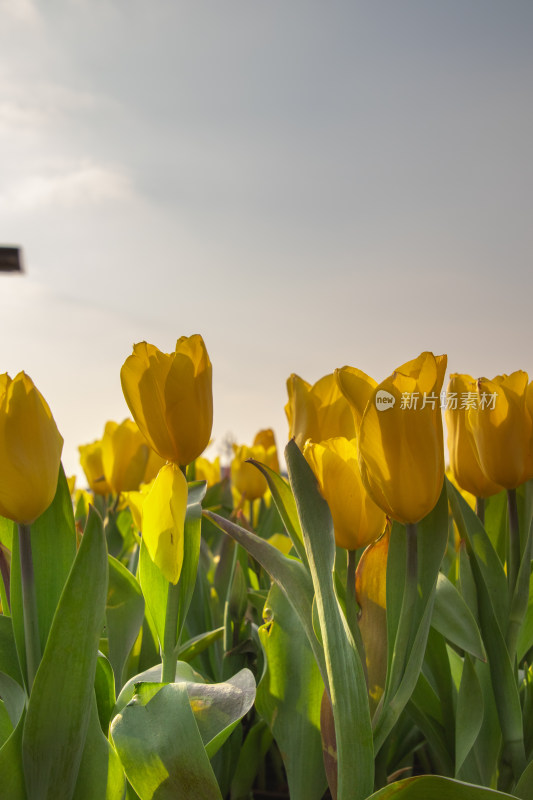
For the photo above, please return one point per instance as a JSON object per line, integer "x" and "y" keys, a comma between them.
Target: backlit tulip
{"x": 208, "y": 471}
{"x": 317, "y": 412}
{"x": 464, "y": 459}
{"x": 267, "y": 439}
{"x": 246, "y": 478}
{"x": 30, "y": 450}
{"x": 124, "y": 455}
{"x": 357, "y": 388}
{"x": 401, "y": 450}
{"x": 163, "y": 521}
{"x": 357, "y": 520}
{"x": 93, "y": 467}
{"x": 170, "y": 397}
{"x": 501, "y": 424}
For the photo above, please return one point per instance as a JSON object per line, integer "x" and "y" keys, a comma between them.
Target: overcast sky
{"x": 306, "y": 184}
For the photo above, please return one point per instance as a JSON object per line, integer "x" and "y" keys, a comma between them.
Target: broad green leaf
{"x": 454, "y": 620}
{"x": 154, "y": 586}
{"x": 289, "y": 697}
{"x": 289, "y": 573}
{"x": 100, "y": 775}
{"x": 60, "y": 702}
{"x": 184, "y": 673}
{"x": 524, "y": 787}
{"x": 124, "y": 615}
{"x": 469, "y": 714}
{"x": 519, "y": 602}
{"x": 14, "y": 697}
{"x": 435, "y": 787}
{"x": 53, "y": 544}
{"x": 525, "y": 636}
{"x": 492, "y": 594}
{"x": 161, "y": 748}
{"x": 104, "y": 687}
{"x": 286, "y": 505}
{"x": 193, "y": 647}
{"x": 11, "y": 769}
{"x": 6, "y": 726}
{"x": 349, "y": 699}
{"x": 251, "y": 758}
{"x": 432, "y": 539}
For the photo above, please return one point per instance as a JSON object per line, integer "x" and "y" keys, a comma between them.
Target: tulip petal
{"x": 163, "y": 520}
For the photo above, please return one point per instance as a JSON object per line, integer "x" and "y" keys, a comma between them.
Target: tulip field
{"x": 357, "y": 626}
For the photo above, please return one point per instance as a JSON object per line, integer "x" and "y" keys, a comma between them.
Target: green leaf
{"x": 53, "y": 543}
{"x": 289, "y": 573}
{"x": 154, "y": 586}
{"x": 453, "y": 619}
{"x": 11, "y": 769}
{"x": 124, "y": 615}
{"x": 434, "y": 787}
{"x": 60, "y": 702}
{"x": 289, "y": 697}
{"x": 104, "y": 687}
{"x": 492, "y": 594}
{"x": 14, "y": 697}
{"x": 184, "y": 673}
{"x": 193, "y": 647}
{"x": 286, "y": 505}
{"x": 251, "y": 757}
{"x": 349, "y": 699}
{"x": 161, "y": 748}
{"x": 524, "y": 787}
{"x": 469, "y": 714}
{"x": 100, "y": 775}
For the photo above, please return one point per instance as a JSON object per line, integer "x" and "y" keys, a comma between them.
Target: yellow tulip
{"x": 267, "y": 439}
{"x": 401, "y": 451}
{"x": 357, "y": 520}
{"x": 153, "y": 465}
{"x": 93, "y": 467}
{"x": 246, "y": 478}
{"x": 357, "y": 388}
{"x": 163, "y": 521}
{"x": 30, "y": 450}
{"x": 208, "y": 471}
{"x": 124, "y": 455}
{"x": 170, "y": 397}
{"x": 317, "y": 412}
{"x": 503, "y": 433}
{"x": 464, "y": 459}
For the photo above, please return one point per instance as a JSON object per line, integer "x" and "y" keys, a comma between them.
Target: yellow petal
{"x": 163, "y": 520}
{"x": 30, "y": 450}
{"x": 357, "y": 388}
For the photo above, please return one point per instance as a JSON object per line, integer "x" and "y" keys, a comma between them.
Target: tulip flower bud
{"x": 464, "y": 458}
{"x": 357, "y": 388}
{"x": 93, "y": 467}
{"x": 246, "y": 478}
{"x": 30, "y": 450}
{"x": 317, "y": 412}
{"x": 503, "y": 428}
{"x": 124, "y": 455}
{"x": 208, "y": 471}
{"x": 357, "y": 520}
{"x": 170, "y": 397}
{"x": 401, "y": 452}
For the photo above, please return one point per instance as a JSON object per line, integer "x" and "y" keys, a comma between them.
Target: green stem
{"x": 352, "y": 609}
{"x": 513, "y": 561}
{"x": 480, "y": 509}
{"x": 407, "y": 615}
{"x": 170, "y": 657}
{"x": 29, "y": 604}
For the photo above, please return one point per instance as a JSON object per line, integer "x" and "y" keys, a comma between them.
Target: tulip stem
{"x": 29, "y": 604}
{"x": 407, "y": 615}
{"x": 480, "y": 509}
{"x": 169, "y": 656}
{"x": 513, "y": 561}
{"x": 352, "y": 610}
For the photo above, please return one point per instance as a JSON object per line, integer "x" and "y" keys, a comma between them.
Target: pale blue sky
{"x": 307, "y": 184}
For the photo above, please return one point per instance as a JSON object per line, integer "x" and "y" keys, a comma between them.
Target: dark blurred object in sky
{"x": 10, "y": 259}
